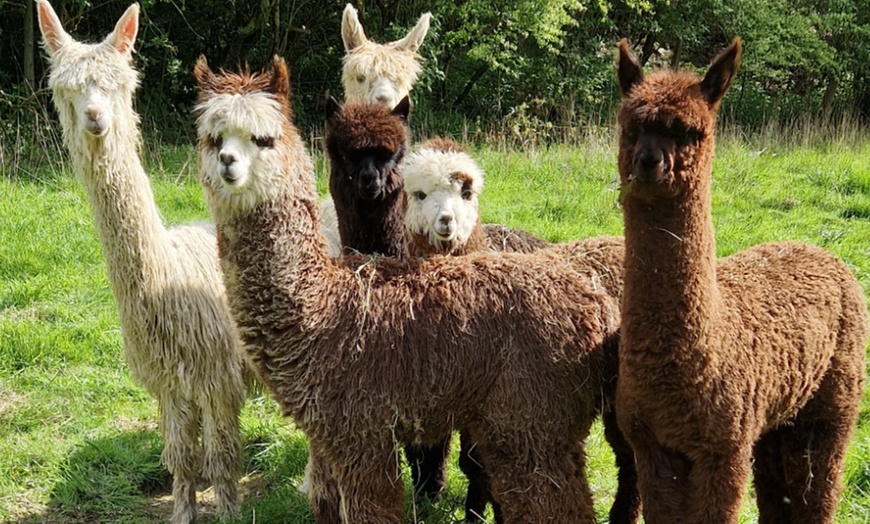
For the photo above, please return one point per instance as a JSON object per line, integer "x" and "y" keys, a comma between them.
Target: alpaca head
{"x": 667, "y": 122}
{"x": 442, "y": 184}
{"x": 379, "y": 73}
{"x": 246, "y": 138}
{"x": 91, "y": 82}
{"x": 366, "y": 142}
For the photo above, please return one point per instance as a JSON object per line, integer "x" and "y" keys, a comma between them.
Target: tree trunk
{"x": 29, "y": 45}
{"x": 471, "y": 81}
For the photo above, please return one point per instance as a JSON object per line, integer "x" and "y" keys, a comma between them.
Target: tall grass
{"x": 78, "y": 439}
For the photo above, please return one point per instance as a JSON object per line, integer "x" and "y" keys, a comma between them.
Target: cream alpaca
{"x": 379, "y": 73}
{"x": 366, "y": 352}
{"x": 179, "y": 340}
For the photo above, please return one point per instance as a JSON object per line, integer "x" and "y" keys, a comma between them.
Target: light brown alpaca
{"x": 366, "y": 352}
{"x": 752, "y": 363}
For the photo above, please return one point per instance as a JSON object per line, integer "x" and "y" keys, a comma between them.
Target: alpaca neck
{"x": 131, "y": 231}
{"x": 670, "y": 275}
{"x": 373, "y": 226}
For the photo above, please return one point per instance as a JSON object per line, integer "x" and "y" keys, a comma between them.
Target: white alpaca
{"x": 442, "y": 187}
{"x": 379, "y": 73}
{"x": 179, "y": 339}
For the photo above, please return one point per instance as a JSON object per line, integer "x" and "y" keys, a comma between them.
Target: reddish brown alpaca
{"x": 758, "y": 356}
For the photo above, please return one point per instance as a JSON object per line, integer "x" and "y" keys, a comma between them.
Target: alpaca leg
{"x": 539, "y": 479}
{"x": 428, "y": 467}
{"x": 179, "y": 425}
{"x": 716, "y": 486}
{"x": 479, "y": 493}
{"x": 774, "y": 504}
{"x": 222, "y": 443}
{"x": 813, "y": 457}
{"x": 626, "y": 505}
{"x": 370, "y": 484}
{"x": 662, "y": 476}
{"x": 323, "y": 492}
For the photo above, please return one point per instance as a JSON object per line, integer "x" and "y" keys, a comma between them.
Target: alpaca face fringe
{"x": 379, "y": 73}
{"x": 442, "y": 190}
{"x": 242, "y": 146}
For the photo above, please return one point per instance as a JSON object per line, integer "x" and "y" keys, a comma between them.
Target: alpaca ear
{"x": 124, "y": 35}
{"x": 332, "y": 107}
{"x": 203, "y": 74}
{"x": 629, "y": 70}
{"x": 280, "y": 77}
{"x": 721, "y": 73}
{"x": 352, "y": 33}
{"x": 53, "y": 35}
{"x": 414, "y": 39}
{"x": 403, "y": 109}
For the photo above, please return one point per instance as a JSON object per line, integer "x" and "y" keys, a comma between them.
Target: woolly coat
{"x": 757, "y": 354}
{"x": 365, "y": 352}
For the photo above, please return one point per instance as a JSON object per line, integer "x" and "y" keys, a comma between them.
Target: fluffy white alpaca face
{"x": 241, "y": 151}
{"x": 379, "y": 73}
{"x": 442, "y": 193}
{"x": 88, "y": 79}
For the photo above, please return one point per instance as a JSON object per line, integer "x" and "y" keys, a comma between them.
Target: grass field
{"x": 78, "y": 439}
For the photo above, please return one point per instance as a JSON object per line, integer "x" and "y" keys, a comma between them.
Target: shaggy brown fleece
{"x": 364, "y": 352}
{"x": 750, "y": 364}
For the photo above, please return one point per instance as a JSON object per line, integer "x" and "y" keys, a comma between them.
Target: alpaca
{"x": 366, "y": 143}
{"x": 179, "y": 340}
{"x": 442, "y": 188}
{"x": 366, "y": 352}
{"x": 379, "y": 73}
{"x": 752, "y": 363}
{"x": 442, "y": 184}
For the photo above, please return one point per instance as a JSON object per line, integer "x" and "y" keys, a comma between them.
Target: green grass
{"x": 78, "y": 439}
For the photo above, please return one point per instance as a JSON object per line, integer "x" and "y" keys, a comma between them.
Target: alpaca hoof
{"x": 185, "y": 515}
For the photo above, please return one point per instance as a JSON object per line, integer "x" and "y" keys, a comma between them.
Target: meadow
{"x": 78, "y": 439}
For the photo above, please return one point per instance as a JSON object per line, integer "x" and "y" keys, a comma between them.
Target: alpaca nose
{"x": 445, "y": 224}
{"x": 383, "y": 99}
{"x": 650, "y": 158}
{"x": 227, "y": 158}
{"x": 93, "y": 113}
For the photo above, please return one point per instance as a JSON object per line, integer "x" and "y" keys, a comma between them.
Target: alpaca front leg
{"x": 222, "y": 443}
{"x": 662, "y": 475}
{"x": 322, "y": 489}
{"x": 370, "y": 484}
{"x": 179, "y": 425}
{"x": 626, "y": 506}
{"x": 479, "y": 490}
{"x": 542, "y": 482}
{"x": 716, "y": 486}
{"x": 771, "y": 489}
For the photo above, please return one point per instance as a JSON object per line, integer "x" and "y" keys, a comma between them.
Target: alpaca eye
{"x": 420, "y": 195}
{"x": 466, "y": 194}
{"x": 263, "y": 141}
{"x": 360, "y": 78}
{"x": 215, "y": 142}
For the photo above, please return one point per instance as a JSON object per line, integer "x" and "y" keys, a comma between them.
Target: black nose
{"x": 650, "y": 158}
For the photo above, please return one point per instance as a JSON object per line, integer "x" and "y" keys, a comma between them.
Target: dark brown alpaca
{"x": 366, "y": 143}
{"x": 368, "y": 352}
{"x": 749, "y": 364}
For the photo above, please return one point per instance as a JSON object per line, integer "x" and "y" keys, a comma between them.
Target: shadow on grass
{"x": 119, "y": 478}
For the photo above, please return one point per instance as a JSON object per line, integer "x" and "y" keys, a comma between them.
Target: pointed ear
{"x": 280, "y": 77}
{"x": 721, "y": 73}
{"x": 53, "y": 35}
{"x": 629, "y": 70}
{"x": 414, "y": 39}
{"x": 332, "y": 107}
{"x": 352, "y": 33}
{"x": 124, "y": 35}
{"x": 203, "y": 74}
{"x": 403, "y": 109}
